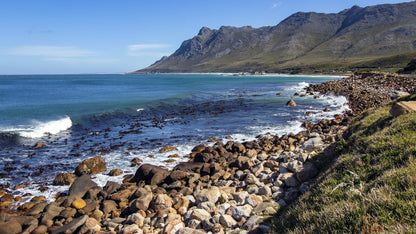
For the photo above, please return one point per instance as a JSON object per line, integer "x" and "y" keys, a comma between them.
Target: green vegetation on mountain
{"x": 382, "y": 36}
{"x": 368, "y": 184}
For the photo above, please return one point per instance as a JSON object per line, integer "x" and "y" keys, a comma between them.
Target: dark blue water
{"x": 121, "y": 117}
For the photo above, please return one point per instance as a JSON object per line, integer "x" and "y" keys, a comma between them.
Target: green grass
{"x": 367, "y": 185}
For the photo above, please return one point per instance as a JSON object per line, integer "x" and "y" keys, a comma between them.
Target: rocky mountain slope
{"x": 302, "y": 42}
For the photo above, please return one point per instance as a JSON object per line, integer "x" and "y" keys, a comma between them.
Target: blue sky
{"x": 117, "y": 36}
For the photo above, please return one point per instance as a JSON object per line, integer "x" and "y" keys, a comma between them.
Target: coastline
{"x": 243, "y": 74}
{"x": 207, "y": 193}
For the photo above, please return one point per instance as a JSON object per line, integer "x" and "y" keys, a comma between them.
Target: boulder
{"x": 167, "y": 149}
{"x": 200, "y": 214}
{"x": 135, "y": 218}
{"x": 208, "y": 195}
{"x": 294, "y": 165}
{"x": 78, "y": 204}
{"x": 51, "y": 211}
{"x": 198, "y": 149}
{"x": 130, "y": 229}
{"x": 91, "y": 166}
{"x": 122, "y": 195}
{"x": 240, "y": 212}
{"x": 238, "y": 147}
{"x": 312, "y": 143}
{"x": 135, "y": 162}
{"x": 291, "y": 103}
{"x": 64, "y": 179}
{"x": 143, "y": 200}
{"x": 108, "y": 206}
{"x": 173, "y": 227}
{"x": 188, "y": 230}
{"x": 152, "y": 175}
{"x": 81, "y": 185}
{"x": 203, "y": 157}
{"x": 111, "y": 187}
{"x": 182, "y": 205}
{"x": 42, "y": 229}
{"x": 67, "y": 212}
{"x": 161, "y": 202}
{"x": 252, "y": 222}
{"x": 227, "y": 221}
{"x": 10, "y": 227}
{"x": 28, "y": 223}
{"x": 253, "y": 200}
{"x": 40, "y": 145}
{"x": 72, "y": 226}
{"x": 265, "y": 190}
{"x": 36, "y": 209}
{"x": 91, "y": 225}
{"x": 244, "y": 163}
{"x": 401, "y": 108}
{"x": 308, "y": 171}
{"x": 115, "y": 172}
{"x": 178, "y": 175}
{"x": 189, "y": 167}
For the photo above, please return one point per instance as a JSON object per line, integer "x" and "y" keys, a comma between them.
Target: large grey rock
{"x": 144, "y": 197}
{"x": 81, "y": 185}
{"x": 208, "y": 195}
{"x": 312, "y": 143}
{"x": 151, "y": 174}
{"x": 51, "y": 211}
{"x": 242, "y": 211}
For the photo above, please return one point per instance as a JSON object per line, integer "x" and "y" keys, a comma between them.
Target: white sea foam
{"x": 39, "y": 129}
{"x": 298, "y": 87}
{"x": 140, "y": 109}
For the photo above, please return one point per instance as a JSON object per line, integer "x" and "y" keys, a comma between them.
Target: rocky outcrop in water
{"x": 367, "y": 90}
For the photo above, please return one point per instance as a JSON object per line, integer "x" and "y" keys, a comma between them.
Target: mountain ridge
{"x": 302, "y": 41}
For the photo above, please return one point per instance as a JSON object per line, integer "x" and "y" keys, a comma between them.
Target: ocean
{"x": 121, "y": 117}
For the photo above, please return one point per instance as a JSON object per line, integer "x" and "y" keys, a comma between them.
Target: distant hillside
{"x": 304, "y": 42}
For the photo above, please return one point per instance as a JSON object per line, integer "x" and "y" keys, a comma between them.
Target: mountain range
{"x": 370, "y": 37}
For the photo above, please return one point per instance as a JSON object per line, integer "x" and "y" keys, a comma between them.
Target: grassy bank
{"x": 367, "y": 184}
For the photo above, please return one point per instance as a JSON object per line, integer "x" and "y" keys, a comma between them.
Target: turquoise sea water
{"x": 121, "y": 117}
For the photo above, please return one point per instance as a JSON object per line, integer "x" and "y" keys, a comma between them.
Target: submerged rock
{"x": 40, "y": 145}
{"x": 91, "y": 166}
{"x": 291, "y": 103}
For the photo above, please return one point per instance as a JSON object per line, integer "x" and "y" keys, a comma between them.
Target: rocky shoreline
{"x": 225, "y": 188}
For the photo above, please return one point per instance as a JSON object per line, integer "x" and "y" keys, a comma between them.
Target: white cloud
{"x": 277, "y": 4}
{"x": 51, "y": 51}
{"x": 152, "y": 50}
